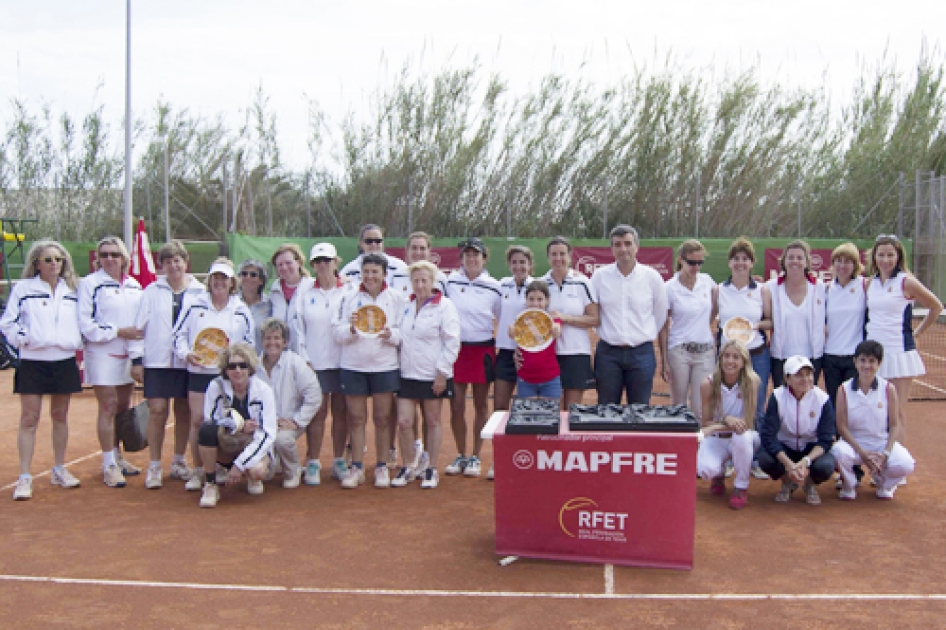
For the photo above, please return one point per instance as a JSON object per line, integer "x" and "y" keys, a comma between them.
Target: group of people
{"x": 302, "y": 346}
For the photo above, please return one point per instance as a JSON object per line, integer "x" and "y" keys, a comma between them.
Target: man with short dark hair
{"x": 633, "y": 305}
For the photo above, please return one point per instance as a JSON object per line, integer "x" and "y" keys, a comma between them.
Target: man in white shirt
{"x": 633, "y": 305}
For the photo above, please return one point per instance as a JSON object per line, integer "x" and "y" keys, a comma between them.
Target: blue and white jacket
{"x": 42, "y": 325}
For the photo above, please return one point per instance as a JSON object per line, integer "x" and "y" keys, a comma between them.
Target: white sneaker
{"x": 220, "y": 475}
{"x": 196, "y": 482}
{"x": 404, "y": 476}
{"x": 392, "y": 459}
{"x": 729, "y": 469}
{"x": 255, "y": 487}
{"x": 293, "y": 479}
{"x": 430, "y": 479}
{"x": 181, "y": 471}
{"x": 457, "y": 467}
{"x": 902, "y": 482}
{"x": 491, "y": 473}
{"x": 128, "y": 469}
{"x": 210, "y": 496}
{"x": 847, "y": 495}
{"x": 154, "y": 478}
{"x": 24, "y": 489}
{"x": 884, "y": 494}
{"x": 313, "y": 474}
{"x": 113, "y": 477}
{"x": 756, "y": 472}
{"x": 382, "y": 479}
{"x": 472, "y": 467}
{"x": 423, "y": 463}
{"x": 354, "y": 478}
{"x": 339, "y": 469}
{"x": 63, "y": 478}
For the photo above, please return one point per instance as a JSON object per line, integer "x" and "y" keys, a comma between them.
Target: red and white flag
{"x": 142, "y": 262}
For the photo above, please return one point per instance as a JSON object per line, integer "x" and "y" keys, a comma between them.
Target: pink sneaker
{"x": 738, "y": 499}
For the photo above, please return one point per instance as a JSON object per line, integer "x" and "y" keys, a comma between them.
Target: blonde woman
{"x": 845, "y": 312}
{"x": 729, "y": 400}
{"x": 108, "y": 303}
{"x": 41, "y": 322}
{"x": 293, "y": 281}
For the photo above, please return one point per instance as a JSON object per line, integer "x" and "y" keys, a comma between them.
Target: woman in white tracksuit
{"x": 430, "y": 342}
{"x": 165, "y": 375}
{"x": 108, "y": 303}
{"x": 297, "y": 391}
{"x": 40, "y": 321}
{"x": 248, "y": 449}
{"x": 221, "y": 308}
{"x": 868, "y": 419}
{"x": 369, "y": 367}
{"x": 293, "y": 281}
{"x": 729, "y": 400}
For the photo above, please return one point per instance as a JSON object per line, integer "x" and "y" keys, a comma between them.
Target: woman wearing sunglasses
{"x": 108, "y": 303}
{"x": 312, "y": 325}
{"x": 240, "y": 424}
{"x": 219, "y": 307}
{"x": 371, "y": 241}
{"x": 40, "y": 321}
{"x": 687, "y": 349}
{"x": 251, "y": 279}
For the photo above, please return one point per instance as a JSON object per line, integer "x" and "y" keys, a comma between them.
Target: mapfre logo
{"x": 579, "y": 518}
{"x": 523, "y": 460}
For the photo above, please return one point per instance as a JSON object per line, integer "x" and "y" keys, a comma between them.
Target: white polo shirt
{"x": 690, "y": 310}
{"x": 845, "y": 311}
{"x": 633, "y": 307}
{"x": 512, "y": 302}
{"x": 571, "y": 298}
{"x": 477, "y": 303}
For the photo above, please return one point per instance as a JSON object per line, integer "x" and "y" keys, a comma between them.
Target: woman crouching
{"x": 240, "y": 425}
{"x": 797, "y": 433}
{"x": 729, "y": 400}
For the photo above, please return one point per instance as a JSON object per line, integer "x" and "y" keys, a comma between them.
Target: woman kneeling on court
{"x": 797, "y": 433}
{"x": 869, "y": 425}
{"x": 240, "y": 424}
{"x": 729, "y": 400}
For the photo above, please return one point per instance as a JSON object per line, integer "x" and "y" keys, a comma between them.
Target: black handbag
{"x": 131, "y": 427}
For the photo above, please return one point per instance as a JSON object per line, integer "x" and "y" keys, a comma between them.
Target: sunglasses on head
{"x": 695, "y": 263}
{"x": 322, "y": 259}
{"x": 51, "y": 259}
{"x": 238, "y": 365}
{"x": 249, "y": 274}
{"x": 886, "y": 237}
{"x": 374, "y": 241}
{"x": 110, "y": 254}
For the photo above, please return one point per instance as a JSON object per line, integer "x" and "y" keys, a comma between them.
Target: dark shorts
{"x": 47, "y": 377}
{"x": 505, "y": 366}
{"x": 575, "y": 371}
{"x": 369, "y": 383}
{"x": 330, "y": 381}
{"x": 423, "y": 390}
{"x": 475, "y": 363}
{"x": 198, "y": 383}
{"x": 165, "y": 383}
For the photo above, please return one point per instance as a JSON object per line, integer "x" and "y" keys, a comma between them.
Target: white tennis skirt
{"x": 902, "y": 365}
{"x": 100, "y": 368}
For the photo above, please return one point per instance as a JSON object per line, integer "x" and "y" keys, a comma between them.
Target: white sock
{"x": 155, "y": 464}
{"x": 418, "y": 446}
{"x": 313, "y": 461}
{"x": 108, "y": 459}
{"x": 178, "y": 459}
{"x": 26, "y": 476}
{"x": 117, "y": 453}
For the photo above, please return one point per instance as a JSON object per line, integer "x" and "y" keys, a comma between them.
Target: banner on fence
{"x": 820, "y": 262}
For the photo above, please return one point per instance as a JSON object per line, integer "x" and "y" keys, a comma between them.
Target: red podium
{"x": 614, "y": 498}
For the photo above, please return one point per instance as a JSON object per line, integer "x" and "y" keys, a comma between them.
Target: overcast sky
{"x": 210, "y": 55}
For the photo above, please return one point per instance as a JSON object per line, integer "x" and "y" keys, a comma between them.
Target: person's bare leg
{"x": 195, "y": 401}
{"x": 458, "y": 416}
{"x": 182, "y": 425}
{"x": 357, "y": 419}
{"x": 481, "y": 414}
{"x": 157, "y": 420}
{"x": 382, "y": 408}
{"x": 31, "y": 407}
{"x": 571, "y": 397}
{"x": 903, "y": 387}
{"x": 59, "y": 410}
{"x": 406, "y": 419}
{"x": 432, "y": 411}
{"x": 105, "y": 423}
{"x": 339, "y": 425}
{"x": 122, "y": 403}
{"x": 502, "y": 395}
{"x": 315, "y": 432}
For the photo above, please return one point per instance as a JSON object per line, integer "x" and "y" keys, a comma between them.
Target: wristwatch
{"x": 807, "y": 461}
{"x": 887, "y": 454}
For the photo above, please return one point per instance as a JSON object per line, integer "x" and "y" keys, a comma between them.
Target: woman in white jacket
{"x": 243, "y": 441}
{"x": 430, "y": 343}
{"x": 369, "y": 367}
{"x": 164, "y": 374}
{"x": 219, "y": 308}
{"x": 41, "y": 322}
{"x": 108, "y": 303}
{"x": 293, "y": 281}
{"x": 297, "y": 391}
{"x": 312, "y": 325}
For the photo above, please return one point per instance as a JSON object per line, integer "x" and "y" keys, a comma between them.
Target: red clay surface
{"x": 408, "y": 539}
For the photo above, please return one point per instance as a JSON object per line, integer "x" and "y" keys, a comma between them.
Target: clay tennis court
{"x": 329, "y": 557}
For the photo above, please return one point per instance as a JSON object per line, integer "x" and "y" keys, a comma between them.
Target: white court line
{"x": 609, "y": 579}
{"x": 933, "y": 387}
{"x": 382, "y": 592}
{"x": 933, "y": 356}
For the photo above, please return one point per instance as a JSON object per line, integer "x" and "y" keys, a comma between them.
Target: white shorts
{"x": 101, "y": 369}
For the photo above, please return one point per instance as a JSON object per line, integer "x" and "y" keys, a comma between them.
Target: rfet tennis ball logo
{"x": 523, "y": 460}
{"x": 571, "y": 506}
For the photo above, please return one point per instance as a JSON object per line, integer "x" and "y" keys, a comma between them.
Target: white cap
{"x": 323, "y": 250}
{"x": 219, "y": 267}
{"x": 796, "y": 363}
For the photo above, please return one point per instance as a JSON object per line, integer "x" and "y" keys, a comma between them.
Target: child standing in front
{"x": 538, "y": 374}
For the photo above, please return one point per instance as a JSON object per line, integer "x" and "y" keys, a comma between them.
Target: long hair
{"x": 887, "y": 239}
{"x": 31, "y": 269}
{"x": 748, "y": 382}
{"x": 117, "y": 242}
